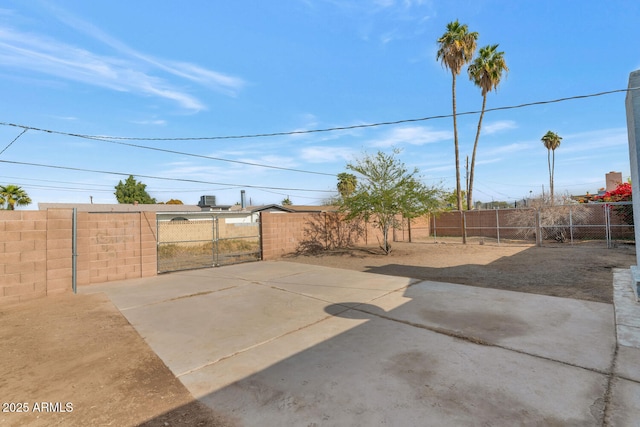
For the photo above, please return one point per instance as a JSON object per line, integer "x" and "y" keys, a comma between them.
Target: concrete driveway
{"x": 279, "y": 343}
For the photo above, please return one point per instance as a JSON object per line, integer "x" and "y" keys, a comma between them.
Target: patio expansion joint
{"x": 346, "y": 308}
{"x": 197, "y": 294}
{"x": 251, "y": 347}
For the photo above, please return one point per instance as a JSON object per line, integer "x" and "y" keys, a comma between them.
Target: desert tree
{"x": 551, "y": 141}
{"x": 132, "y": 191}
{"x": 385, "y": 191}
{"x": 455, "y": 49}
{"x": 486, "y": 73}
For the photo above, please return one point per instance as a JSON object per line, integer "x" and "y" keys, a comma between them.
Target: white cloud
{"x": 322, "y": 154}
{"x": 125, "y": 72}
{"x": 516, "y": 147}
{"x": 494, "y": 127}
{"x": 150, "y": 122}
{"x": 594, "y": 140}
{"x": 413, "y": 135}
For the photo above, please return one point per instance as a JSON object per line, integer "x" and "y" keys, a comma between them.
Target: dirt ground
{"x": 81, "y": 358}
{"x": 570, "y": 271}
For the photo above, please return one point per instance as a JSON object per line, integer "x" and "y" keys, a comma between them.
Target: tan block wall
{"x": 35, "y": 254}
{"x": 116, "y": 246}
{"x": 36, "y": 250}
{"x": 287, "y": 233}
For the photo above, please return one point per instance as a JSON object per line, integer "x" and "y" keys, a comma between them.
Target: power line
{"x": 14, "y": 140}
{"x": 120, "y": 140}
{"x": 146, "y": 147}
{"x": 308, "y": 131}
{"x": 161, "y": 178}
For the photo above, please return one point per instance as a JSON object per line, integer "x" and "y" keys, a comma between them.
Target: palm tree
{"x": 13, "y": 195}
{"x": 551, "y": 141}
{"x": 456, "y": 48}
{"x": 486, "y": 73}
{"x": 347, "y": 183}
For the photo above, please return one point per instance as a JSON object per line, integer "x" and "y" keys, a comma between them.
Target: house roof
{"x": 288, "y": 208}
{"x": 119, "y": 207}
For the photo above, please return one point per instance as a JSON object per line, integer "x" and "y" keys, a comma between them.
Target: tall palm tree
{"x": 456, "y": 48}
{"x": 13, "y": 195}
{"x": 551, "y": 141}
{"x": 486, "y": 73}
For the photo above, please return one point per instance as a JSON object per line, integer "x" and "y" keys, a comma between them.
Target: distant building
{"x": 613, "y": 179}
{"x": 119, "y": 207}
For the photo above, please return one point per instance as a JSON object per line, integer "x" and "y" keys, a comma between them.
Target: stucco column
{"x": 633, "y": 128}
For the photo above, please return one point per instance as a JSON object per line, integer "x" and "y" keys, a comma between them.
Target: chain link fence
{"x": 606, "y": 224}
{"x": 200, "y": 240}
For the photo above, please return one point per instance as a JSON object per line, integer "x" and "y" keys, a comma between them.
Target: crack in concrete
{"x": 611, "y": 378}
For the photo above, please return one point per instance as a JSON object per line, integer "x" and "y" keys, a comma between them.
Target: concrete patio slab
{"x": 278, "y": 343}
{"x": 382, "y": 372}
{"x": 557, "y": 328}
{"x": 150, "y": 290}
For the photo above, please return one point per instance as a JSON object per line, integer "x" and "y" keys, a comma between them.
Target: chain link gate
{"x": 191, "y": 240}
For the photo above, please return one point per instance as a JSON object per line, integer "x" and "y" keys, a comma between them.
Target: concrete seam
{"x": 197, "y": 294}
{"x": 610, "y": 382}
{"x": 220, "y": 359}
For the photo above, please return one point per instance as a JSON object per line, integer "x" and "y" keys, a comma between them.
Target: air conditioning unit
{"x": 207, "y": 201}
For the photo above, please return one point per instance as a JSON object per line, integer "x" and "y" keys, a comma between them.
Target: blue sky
{"x": 163, "y": 69}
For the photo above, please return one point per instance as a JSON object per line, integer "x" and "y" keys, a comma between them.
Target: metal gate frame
{"x": 197, "y": 241}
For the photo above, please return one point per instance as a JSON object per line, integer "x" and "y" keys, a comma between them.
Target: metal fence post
{"x": 74, "y": 250}
{"x": 498, "y": 226}
{"x": 538, "y": 228}
{"x": 214, "y": 241}
{"x": 435, "y": 233}
{"x": 464, "y": 227}
{"x": 607, "y": 224}
{"x": 571, "y": 224}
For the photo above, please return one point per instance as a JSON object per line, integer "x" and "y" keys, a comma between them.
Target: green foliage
{"x": 347, "y": 183}
{"x": 132, "y": 191}
{"x": 456, "y": 46}
{"x": 385, "y": 190}
{"x": 12, "y": 195}
{"x": 175, "y": 202}
{"x": 286, "y": 202}
{"x": 449, "y": 201}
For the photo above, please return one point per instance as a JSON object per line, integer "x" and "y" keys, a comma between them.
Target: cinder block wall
{"x": 282, "y": 232}
{"x": 287, "y": 233}
{"x": 116, "y": 246}
{"x": 36, "y": 250}
{"x": 35, "y": 253}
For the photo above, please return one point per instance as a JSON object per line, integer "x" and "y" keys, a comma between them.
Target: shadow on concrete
{"x": 194, "y": 413}
{"x": 381, "y": 370}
